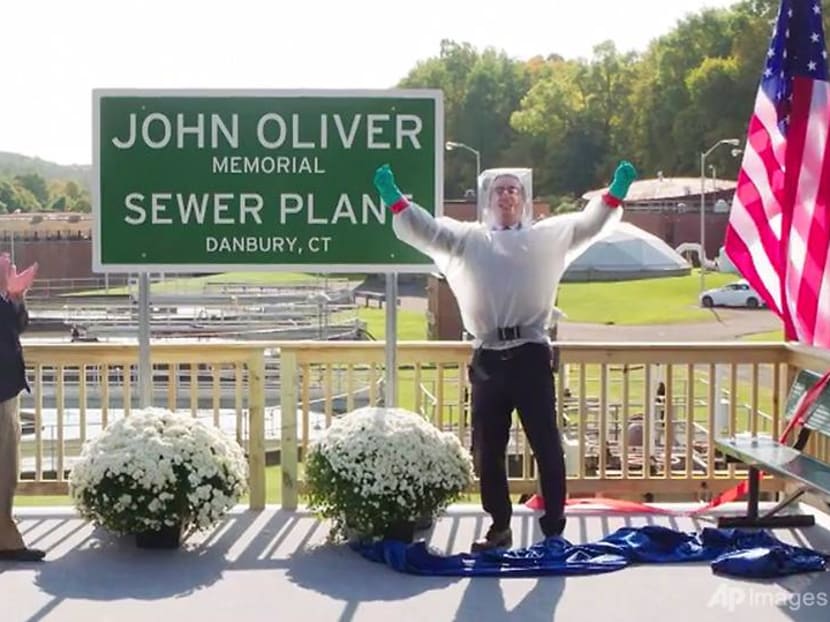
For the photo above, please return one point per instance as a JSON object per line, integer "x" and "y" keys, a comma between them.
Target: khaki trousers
{"x": 10, "y": 537}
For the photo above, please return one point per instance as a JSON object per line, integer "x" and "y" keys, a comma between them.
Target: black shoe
{"x": 552, "y": 529}
{"x": 21, "y": 555}
{"x": 495, "y": 539}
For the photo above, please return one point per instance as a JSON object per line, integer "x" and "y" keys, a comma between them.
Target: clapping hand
{"x": 14, "y": 284}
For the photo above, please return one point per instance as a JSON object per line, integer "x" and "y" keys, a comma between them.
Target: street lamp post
{"x": 726, "y": 141}
{"x": 450, "y": 145}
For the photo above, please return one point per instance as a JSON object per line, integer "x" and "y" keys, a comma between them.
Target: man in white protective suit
{"x": 504, "y": 271}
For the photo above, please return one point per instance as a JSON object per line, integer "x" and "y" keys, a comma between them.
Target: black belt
{"x": 487, "y": 356}
{"x": 506, "y": 333}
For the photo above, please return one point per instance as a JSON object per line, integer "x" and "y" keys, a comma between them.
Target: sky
{"x": 54, "y": 53}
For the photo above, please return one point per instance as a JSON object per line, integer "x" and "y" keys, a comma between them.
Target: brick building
{"x": 61, "y": 242}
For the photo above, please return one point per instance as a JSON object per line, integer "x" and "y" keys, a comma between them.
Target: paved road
{"x": 725, "y": 324}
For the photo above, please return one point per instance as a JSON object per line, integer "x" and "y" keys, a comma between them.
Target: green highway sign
{"x": 222, "y": 180}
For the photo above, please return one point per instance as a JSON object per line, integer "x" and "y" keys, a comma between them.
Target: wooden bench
{"x": 785, "y": 461}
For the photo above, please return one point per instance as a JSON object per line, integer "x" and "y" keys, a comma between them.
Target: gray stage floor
{"x": 275, "y": 565}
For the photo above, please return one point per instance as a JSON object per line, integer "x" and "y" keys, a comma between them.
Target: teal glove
{"x": 385, "y": 183}
{"x": 624, "y": 176}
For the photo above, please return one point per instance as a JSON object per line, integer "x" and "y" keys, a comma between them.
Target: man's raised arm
{"x": 414, "y": 225}
{"x": 590, "y": 222}
{"x": 573, "y": 232}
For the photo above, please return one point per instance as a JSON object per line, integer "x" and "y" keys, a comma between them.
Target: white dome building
{"x": 628, "y": 252}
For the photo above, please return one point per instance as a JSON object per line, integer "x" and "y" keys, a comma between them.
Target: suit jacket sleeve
{"x": 22, "y": 315}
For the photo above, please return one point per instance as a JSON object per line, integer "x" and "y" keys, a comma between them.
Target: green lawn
{"x": 649, "y": 301}
{"x": 773, "y": 335}
{"x": 412, "y": 325}
{"x": 41, "y": 500}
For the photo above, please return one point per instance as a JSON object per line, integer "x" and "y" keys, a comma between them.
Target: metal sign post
{"x": 391, "y": 399}
{"x": 145, "y": 370}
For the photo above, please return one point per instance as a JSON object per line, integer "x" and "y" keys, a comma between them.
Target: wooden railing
{"x": 77, "y": 389}
{"x": 623, "y": 437}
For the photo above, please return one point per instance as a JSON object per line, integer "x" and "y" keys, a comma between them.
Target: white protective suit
{"x": 505, "y": 278}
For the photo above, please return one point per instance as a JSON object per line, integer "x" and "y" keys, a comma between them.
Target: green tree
{"x": 68, "y": 196}
{"x": 72, "y": 190}
{"x": 570, "y": 120}
{"x": 675, "y": 84}
{"x": 481, "y": 90}
{"x": 81, "y": 204}
{"x": 580, "y": 110}
{"x": 58, "y": 204}
{"x": 15, "y": 197}
{"x": 35, "y": 184}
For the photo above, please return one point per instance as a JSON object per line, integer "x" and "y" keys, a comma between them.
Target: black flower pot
{"x": 164, "y": 538}
{"x": 402, "y": 531}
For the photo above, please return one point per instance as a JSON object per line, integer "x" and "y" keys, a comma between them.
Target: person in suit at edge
{"x": 14, "y": 318}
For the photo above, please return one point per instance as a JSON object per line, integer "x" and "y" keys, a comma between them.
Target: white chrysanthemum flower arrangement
{"x": 155, "y": 469}
{"x": 375, "y": 468}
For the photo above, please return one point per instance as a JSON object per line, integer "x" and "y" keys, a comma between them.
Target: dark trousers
{"x": 520, "y": 378}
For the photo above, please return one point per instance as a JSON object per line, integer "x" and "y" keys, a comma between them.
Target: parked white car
{"x": 737, "y": 294}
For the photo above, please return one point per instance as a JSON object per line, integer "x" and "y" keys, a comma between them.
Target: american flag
{"x": 779, "y": 225}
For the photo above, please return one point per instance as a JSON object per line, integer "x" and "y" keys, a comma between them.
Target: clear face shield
{"x": 505, "y": 197}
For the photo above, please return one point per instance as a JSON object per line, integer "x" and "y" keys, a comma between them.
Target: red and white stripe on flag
{"x": 779, "y": 225}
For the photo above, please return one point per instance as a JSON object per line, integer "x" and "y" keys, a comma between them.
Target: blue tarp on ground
{"x": 734, "y": 552}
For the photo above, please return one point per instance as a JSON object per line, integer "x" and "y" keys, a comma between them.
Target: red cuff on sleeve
{"x": 400, "y": 205}
{"x": 610, "y": 200}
